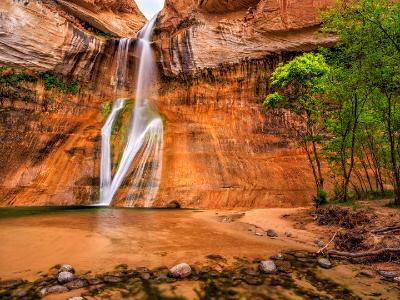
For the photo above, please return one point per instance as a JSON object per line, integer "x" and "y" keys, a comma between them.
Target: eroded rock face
{"x": 221, "y": 149}
{"x": 51, "y": 139}
{"x": 42, "y": 36}
{"x": 203, "y": 34}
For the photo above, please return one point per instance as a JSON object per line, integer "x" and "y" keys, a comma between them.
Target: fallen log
{"x": 390, "y": 229}
{"x": 364, "y": 254}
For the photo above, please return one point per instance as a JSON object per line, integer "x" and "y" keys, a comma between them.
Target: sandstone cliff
{"x": 221, "y": 148}
{"x": 203, "y": 34}
{"x": 51, "y": 101}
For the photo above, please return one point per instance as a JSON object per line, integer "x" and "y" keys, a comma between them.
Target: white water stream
{"x": 144, "y": 144}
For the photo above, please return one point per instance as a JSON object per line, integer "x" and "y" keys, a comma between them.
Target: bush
{"x": 51, "y": 81}
{"x": 321, "y": 198}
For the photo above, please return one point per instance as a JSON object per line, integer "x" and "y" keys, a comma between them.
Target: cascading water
{"x": 145, "y": 135}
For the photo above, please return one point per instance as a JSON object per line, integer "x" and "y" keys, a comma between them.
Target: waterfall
{"x": 143, "y": 150}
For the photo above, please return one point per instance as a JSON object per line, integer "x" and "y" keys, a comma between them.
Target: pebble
{"x": 94, "y": 281}
{"x": 388, "y": 274}
{"x": 284, "y": 266}
{"x": 397, "y": 279}
{"x": 56, "y": 289}
{"x": 324, "y": 263}
{"x": 20, "y": 294}
{"x": 182, "y": 270}
{"x": 64, "y": 277}
{"x": 271, "y": 233}
{"x": 319, "y": 243}
{"x": 76, "y": 284}
{"x": 251, "y": 272}
{"x": 111, "y": 279}
{"x": 66, "y": 268}
{"x": 288, "y": 234}
{"x": 267, "y": 266}
{"x": 76, "y": 298}
{"x": 279, "y": 256}
{"x": 10, "y": 283}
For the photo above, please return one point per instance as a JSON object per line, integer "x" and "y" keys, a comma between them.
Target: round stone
{"x": 76, "y": 284}
{"x": 66, "y": 268}
{"x": 65, "y": 277}
{"x": 388, "y": 274}
{"x": 271, "y": 233}
{"x": 182, "y": 270}
{"x": 56, "y": 289}
{"x": 319, "y": 243}
{"x": 324, "y": 263}
{"x": 267, "y": 267}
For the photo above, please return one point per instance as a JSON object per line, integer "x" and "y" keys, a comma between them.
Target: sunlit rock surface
{"x": 52, "y": 35}
{"x": 203, "y": 34}
{"x": 221, "y": 149}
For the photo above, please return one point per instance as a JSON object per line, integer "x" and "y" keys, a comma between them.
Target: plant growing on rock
{"x": 298, "y": 86}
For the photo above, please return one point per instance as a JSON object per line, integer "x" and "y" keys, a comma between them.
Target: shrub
{"x": 321, "y": 198}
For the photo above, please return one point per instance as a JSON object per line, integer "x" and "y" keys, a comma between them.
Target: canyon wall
{"x": 221, "y": 148}
{"x": 56, "y": 73}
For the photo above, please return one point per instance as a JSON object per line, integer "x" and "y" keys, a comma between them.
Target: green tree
{"x": 366, "y": 74}
{"x": 297, "y": 87}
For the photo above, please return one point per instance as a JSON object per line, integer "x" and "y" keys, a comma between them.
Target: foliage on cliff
{"x": 357, "y": 104}
{"x": 50, "y": 81}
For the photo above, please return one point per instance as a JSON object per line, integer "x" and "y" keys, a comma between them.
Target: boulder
{"x": 182, "y": 270}
{"x": 76, "y": 284}
{"x": 324, "y": 263}
{"x": 267, "y": 267}
{"x": 66, "y": 268}
{"x": 65, "y": 277}
{"x": 56, "y": 289}
{"x": 388, "y": 274}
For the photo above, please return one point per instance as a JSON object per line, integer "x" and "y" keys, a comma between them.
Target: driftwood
{"x": 326, "y": 246}
{"x": 364, "y": 254}
{"x": 390, "y": 229}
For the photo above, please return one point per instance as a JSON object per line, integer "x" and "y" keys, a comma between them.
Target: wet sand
{"x": 99, "y": 239}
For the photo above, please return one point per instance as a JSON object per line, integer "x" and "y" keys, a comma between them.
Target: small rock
{"x": 76, "y": 298}
{"x": 111, "y": 279}
{"x": 12, "y": 283}
{"x": 56, "y": 289}
{"x": 271, "y": 233}
{"x": 284, "y": 266}
{"x": 397, "y": 279}
{"x": 279, "y": 256}
{"x": 66, "y": 268}
{"x": 64, "y": 277}
{"x": 324, "y": 263}
{"x": 267, "y": 266}
{"x": 259, "y": 234}
{"x": 145, "y": 276}
{"x": 388, "y": 274}
{"x": 142, "y": 270}
{"x": 19, "y": 294}
{"x": 76, "y": 284}
{"x": 180, "y": 271}
{"x": 43, "y": 292}
{"x": 319, "y": 243}
{"x": 288, "y": 234}
{"x": 94, "y": 281}
{"x": 251, "y": 272}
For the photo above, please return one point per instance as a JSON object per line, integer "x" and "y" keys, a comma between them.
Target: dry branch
{"x": 364, "y": 254}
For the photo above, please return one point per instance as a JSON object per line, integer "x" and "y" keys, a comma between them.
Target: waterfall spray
{"x": 145, "y": 135}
